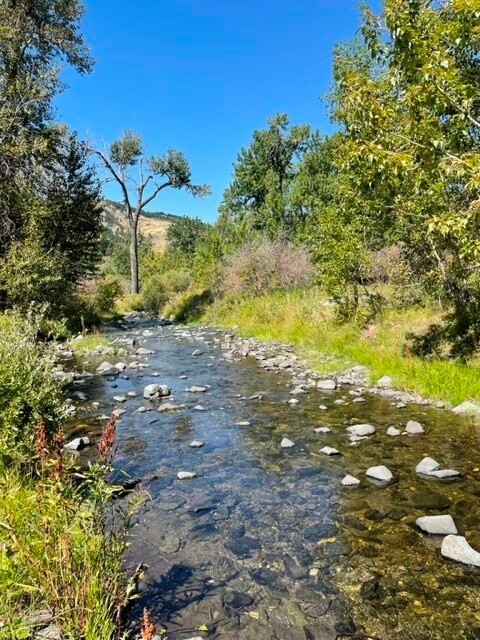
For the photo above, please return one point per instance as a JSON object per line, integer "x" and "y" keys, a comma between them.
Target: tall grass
{"x": 305, "y": 319}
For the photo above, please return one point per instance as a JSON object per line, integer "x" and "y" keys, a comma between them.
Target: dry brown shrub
{"x": 261, "y": 267}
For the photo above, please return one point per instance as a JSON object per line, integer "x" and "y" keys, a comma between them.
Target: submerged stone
{"x": 350, "y": 481}
{"x": 186, "y": 475}
{"x": 444, "y": 473}
{"x": 322, "y": 430}
{"x": 430, "y": 500}
{"x": 244, "y": 547}
{"x": 414, "y": 428}
{"x": 393, "y": 431}
{"x": 427, "y": 465}
{"x": 286, "y": 443}
{"x": 381, "y": 472}
{"x": 329, "y": 451}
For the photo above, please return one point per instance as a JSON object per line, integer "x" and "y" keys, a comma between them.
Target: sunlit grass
{"x": 306, "y": 320}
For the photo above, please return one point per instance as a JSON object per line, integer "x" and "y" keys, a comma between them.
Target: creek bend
{"x": 265, "y": 543}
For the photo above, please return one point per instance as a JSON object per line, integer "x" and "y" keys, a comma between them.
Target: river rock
{"x": 244, "y": 547}
{"x": 79, "y": 395}
{"x": 196, "y": 444}
{"x": 293, "y": 401}
{"x": 107, "y": 369}
{"x": 393, "y": 431}
{"x": 381, "y": 472}
{"x": 350, "y": 481}
{"x": 121, "y": 366}
{"x": 322, "y": 430}
{"x": 169, "y": 406}
{"x": 143, "y": 409}
{"x": 427, "y": 465}
{"x": 116, "y": 413}
{"x": 196, "y": 389}
{"x": 199, "y": 407}
{"x": 141, "y": 351}
{"x": 439, "y": 525}
{"x": 361, "y": 430}
{"x": 430, "y": 501}
{"x": 457, "y": 548}
{"x": 326, "y": 385}
{"x": 237, "y": 600}
{"x": 329, "y": 451}
{"x": 414, "y": 428}
{"x": 286, "y": 443}
{"x": 152, "y": 391}
{"x": 186, "y": 475}
{"x": 384, "y": 382}
{"x": 359, "y": 400}
{"x": 120, "y": 398}
{"x": 77, "y": 444}
{"x": 197, "y": 352}
{"x": 322, "y": 407}
{"x": 51, "y": 632}
{"x": 467, "y": 408}
{"x": 444, "y": 473}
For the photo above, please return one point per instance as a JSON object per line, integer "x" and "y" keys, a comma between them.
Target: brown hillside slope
{"x": 155, "y": 228}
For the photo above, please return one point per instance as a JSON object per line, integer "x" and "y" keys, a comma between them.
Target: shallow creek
{"x": 265, "y": 543}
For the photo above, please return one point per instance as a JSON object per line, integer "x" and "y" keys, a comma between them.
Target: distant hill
{"x": 153, "y": 224}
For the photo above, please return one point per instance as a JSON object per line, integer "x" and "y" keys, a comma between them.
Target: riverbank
{"x": 60, "y": 557}
{"x": 306, "y": 321}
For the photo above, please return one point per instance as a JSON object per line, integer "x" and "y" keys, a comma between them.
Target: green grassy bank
{"x": 304, "y": 319}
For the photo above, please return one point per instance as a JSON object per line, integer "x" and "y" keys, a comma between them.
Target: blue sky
{"x": 201, "y": 75}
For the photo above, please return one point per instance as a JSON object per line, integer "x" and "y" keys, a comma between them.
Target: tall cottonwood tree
{"x": 141, "y": 179}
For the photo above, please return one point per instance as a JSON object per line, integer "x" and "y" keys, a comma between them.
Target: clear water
{"x": 265, "y": 543}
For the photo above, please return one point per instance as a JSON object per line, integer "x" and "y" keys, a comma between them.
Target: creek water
{"x": 265, "y": 543}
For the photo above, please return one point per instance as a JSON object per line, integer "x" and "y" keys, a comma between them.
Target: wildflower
{"x": 148, "y": 629}
{"x": 107, "y": 440}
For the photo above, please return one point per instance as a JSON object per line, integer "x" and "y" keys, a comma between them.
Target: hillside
{"x": 152, "y": 224}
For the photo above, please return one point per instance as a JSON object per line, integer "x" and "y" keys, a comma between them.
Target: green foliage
{"x": 258, "y": 197}
{"x": 154, "y": 294}
{"x": 185, "y": 234}
{"x": 108, "y": 291}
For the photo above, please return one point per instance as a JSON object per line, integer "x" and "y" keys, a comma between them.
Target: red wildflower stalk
{"x": 41, "y": 443}
{"x": 107, "y": 439}
{"x": 58, "y": 444}
{"x": 148, "y": 629}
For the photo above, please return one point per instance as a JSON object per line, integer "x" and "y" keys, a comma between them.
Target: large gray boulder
{"x": 152, "y": 391}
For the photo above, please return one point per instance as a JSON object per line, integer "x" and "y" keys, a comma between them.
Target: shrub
{"x": 257, "y": 268}
{"x": 154, "y": 294}
{"x": 108, "y": 291}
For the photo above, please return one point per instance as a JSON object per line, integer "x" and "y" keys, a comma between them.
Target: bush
{"x": 258, "y": 268}
{"x": 154, "y": 295}
{"x": 108, "y": 291}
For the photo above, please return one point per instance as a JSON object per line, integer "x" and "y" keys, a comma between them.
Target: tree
{"x": 155, "y": 173}
{"x": 184, "y": 234}
{"x": 35, "y": 36}
{"x": 258, "y": 197}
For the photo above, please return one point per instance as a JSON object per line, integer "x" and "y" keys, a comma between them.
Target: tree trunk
{"x": 134, "y": 286}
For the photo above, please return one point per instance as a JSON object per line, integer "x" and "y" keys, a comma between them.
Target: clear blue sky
{"x": 201, "y": 75}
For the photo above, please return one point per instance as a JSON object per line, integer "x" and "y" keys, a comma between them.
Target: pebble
{"x": 381, "y": 472}
{"x": 116, "y": 413}
{"x": 427, "y": 465}
{"x": 186, "y": 475}
{"x": 169, "y": 406}
{"x": 329, "y": 451}
{"x": 322, "y": 407}
{"x": 121, "y": 366}
{"x": 361, "y": 430}
{"x": 143, "y": 409}
{"x": 286, "y": 443}
{"x": 196, "y": 444}
{"x": 195, "y": 389}
{"x": 393, "y": 431}
{"x": 293, "y": 401}
{"x": 199, "y": 407}
{"x": 414, "y": 427}
{"x": 144, "y": 352}
{"x": 322, "y": 430}
{"x": 326, "y": 385}
{"x": 350, "y": 481}
{"x": 457, "y": 548}
{"x": 359, "y": 400}
{"x": 120, "y": 398}
{"x": 439, "y": 525}
{"x": 197, "y": 352}
{"x": 245, "y": 423}
{"x": 131, "y": 394}
{"x": 444, "y": 473}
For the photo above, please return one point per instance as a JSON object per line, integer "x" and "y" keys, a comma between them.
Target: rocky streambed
{"x": 283, "y": 505}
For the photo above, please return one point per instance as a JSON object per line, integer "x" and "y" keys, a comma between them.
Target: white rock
{"x": 329, "y": 451}
{"x": 361, "y": 430}
{"x": 120, "y": 398}
{"x": 355, "y": 438}
{"x": 326, "y": 385}
{"x": 116, "y": 413}
{"x": 107, "y": 369}
{"x": 196, "y": 444}
{"x": 286, "y": 443}
{"x": 77, "y": 443}
{"x": 132, "y": 394}
{"x": 293, "y": 401}
{"x": 197, "y": 352}
{"x": 199, "y": 407}
{"x": 79, "y": 395}
{"x": 381, "y": 472}
{"x": 358, "y": 400}
{"x": 51, "y": 632}
{"x": 427, "y": 465}
{"x": 439, "y": 525}
{"x": 155, "y": 391}
{"x": 322, "y": 407}
{"x": 467, "y": 408}
{"x": 169, "y": 406}
{"x": 143, "y": 409}
{"x": 385, "y": 382}
{"x": 350, "y": 481}
{"x": 444, "y": 473}
{"x": 322, "y": 430}
{"x": 414, "y": 427}
{"x": 244, "y": 423}
{"x": 121, "y": 366}
{"x": 457, "y": 548}
{"x": 186, "y": 475}
{"x": 393, "y": 431}
{"x": 195, "y": 389}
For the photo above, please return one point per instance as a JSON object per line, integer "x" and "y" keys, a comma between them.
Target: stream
{"x": 265, "y": 543}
